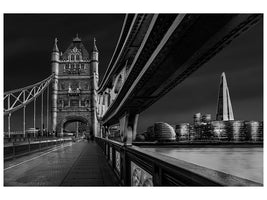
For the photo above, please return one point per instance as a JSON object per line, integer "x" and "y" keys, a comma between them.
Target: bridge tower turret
{"x": 94, "y": 63}
{"x": 55, "y": 70}
{"x": 95, "y": 79}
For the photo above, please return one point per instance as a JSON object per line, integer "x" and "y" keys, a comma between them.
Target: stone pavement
{"x": 90, "y": 169}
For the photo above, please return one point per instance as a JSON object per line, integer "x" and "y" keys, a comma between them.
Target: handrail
{"x": 164, "y": 170}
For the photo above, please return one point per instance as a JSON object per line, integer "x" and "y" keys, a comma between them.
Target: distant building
{"x": 238, "y": 131}
{"x": 224, "y": 106}
{"x": 164, "y": 132}
{"x": 219, "y": 130}
{"x": 182, "y": 131}
{"x": 234, "y": 131}
{"x": 197, "y": 118}
{"x": 254, "y": 130}
{"x": 224, "y": 128}
{"x": 206, "y": 118}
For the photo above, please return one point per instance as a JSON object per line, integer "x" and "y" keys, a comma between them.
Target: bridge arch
{"x": 73, "y": 118}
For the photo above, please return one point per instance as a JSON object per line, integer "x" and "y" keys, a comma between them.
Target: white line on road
{"x": 36, "y": 157}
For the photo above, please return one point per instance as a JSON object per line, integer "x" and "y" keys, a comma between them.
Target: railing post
{"x": 29, "y": 143}
{"x": 13, "y": 147}
{"x": 157, "y": 175}
{"x": 124, "y": 170}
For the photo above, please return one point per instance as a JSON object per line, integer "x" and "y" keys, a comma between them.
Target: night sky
{"x": 28, "y": 41}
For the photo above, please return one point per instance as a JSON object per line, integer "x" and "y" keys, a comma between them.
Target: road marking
{"x": 36, "y": 157}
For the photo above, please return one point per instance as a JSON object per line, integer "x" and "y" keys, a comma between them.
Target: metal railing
{"x": 15, "y": 148}
{"x": 135, "y": 166}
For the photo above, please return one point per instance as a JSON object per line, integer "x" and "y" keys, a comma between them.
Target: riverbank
{"x": 201, "y": 144}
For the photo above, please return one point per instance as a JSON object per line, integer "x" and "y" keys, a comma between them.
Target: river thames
{"x": 242, "y": 162}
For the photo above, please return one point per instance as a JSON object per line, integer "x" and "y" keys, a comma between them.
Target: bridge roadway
{"x": 71, "y": 164}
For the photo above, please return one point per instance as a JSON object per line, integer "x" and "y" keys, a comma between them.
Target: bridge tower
{"x": 94, "y": 83}
{"x": 74, "y": 88}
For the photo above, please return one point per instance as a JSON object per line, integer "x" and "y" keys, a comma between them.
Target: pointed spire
{"x": 77, "y": 39}
{"x": 55, "y": 48}
{"x": 94, "y": 47}
{"x": 224, "y": 107}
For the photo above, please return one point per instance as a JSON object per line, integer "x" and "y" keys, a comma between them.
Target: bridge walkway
{"x": 90, "y": 169}
{"x": 70, "y": 164}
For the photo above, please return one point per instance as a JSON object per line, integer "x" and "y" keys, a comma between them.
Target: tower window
{"x": 72, "y": 57}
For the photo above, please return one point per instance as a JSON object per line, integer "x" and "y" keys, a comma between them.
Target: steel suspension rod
{"x": 42, "y": 113}
{"x": 24, "y": 121}
{"x": 34, "y": 116}
{"x": 47, "y": 109}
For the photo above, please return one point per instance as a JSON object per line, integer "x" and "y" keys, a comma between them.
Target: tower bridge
{"x": 154, "y": 53}
{"x": 74, "y": 86}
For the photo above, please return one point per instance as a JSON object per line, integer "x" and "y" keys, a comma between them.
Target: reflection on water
{"x": 243, "y": 162}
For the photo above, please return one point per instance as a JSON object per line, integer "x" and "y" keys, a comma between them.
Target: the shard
{"x": 224, "y": 106}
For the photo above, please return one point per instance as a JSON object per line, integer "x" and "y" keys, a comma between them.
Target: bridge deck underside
{"x": 191, "y": 43}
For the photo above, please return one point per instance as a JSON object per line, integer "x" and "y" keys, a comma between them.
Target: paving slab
{"x": 90, "y": 169}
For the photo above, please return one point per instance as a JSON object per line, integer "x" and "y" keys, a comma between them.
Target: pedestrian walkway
{"x": 90, "y": 169}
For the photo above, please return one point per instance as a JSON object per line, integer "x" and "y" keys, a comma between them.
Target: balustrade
{"x": 135, "y": 166}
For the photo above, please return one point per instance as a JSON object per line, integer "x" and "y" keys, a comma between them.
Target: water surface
{"x": 242, "y": 162}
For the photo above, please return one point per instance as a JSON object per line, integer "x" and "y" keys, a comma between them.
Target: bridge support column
{"x": 128, "y": 127}
{"x": 9, "y": 116}
{"x": 106, "y": 128}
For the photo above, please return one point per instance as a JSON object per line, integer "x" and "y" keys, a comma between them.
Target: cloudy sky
{"x": 28, "y": 40}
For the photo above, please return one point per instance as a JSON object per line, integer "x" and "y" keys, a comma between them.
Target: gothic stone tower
{"x": 74, "y": 87}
